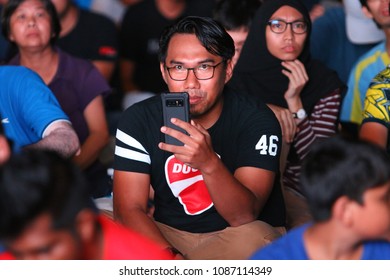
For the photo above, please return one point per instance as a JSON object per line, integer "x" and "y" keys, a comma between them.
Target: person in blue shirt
{"x": 347, "y": 185}
{"x": 31, "y": 115}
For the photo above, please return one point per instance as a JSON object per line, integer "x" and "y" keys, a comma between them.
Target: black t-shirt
{"x": 244, "y": 135}
{"x": 94, "y": 37}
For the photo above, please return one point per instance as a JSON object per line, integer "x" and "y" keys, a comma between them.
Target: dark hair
{"x": 338, "y": 167}
{"x": 235, "y": 14}
{"x": 210, "y": 33}
{"x": 10, "y": 7}
{"x": 364, "y": 3}
{"x": 37, "y": 182}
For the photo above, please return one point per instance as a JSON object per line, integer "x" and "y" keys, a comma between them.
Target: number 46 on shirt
{"x": 267, "y": 145}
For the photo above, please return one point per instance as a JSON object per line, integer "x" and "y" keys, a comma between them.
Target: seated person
{"x": 77, "y": 84}
{"x": 47, "y": 214}
{"x": 236, "y": 16}
{"x": 275, "y": 66}
{"x": 347, "y": 185}
{"x": 213, "y": 196}
{"x": 88, "y": 35}
{"x": 376, "y": 120}
{"x": 31, "y": 115}
{"x": 365, "y": 68}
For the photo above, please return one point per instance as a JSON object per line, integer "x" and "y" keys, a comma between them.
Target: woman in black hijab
{"x": 276, "y": 66}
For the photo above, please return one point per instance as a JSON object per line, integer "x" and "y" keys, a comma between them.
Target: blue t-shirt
{"x": 291, "y": 247}
{"x": 27, "y": 106}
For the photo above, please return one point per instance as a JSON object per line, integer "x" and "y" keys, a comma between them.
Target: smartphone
{"x": 175, "y": 105}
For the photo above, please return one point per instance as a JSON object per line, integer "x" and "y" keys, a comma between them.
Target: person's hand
{"x": 296, "y": 73}
{"x": 286, "y": 121}
{"x": 316, "y": 11}
{"x": 197, "y": 150}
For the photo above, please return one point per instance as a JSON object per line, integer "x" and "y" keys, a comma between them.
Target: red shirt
{"x": 121, "y": 243}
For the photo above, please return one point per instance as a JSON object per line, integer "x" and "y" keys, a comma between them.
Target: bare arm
{"x": 131, "y": 193}
{"x": 286, "y": 121}
{"x": 244, "y": 193}
{"x": 127, "y": 75}
{"x": 106, "y": 68}
{"x": 374, "y": 132}
{"x": 98, "y": 133}
{"x": 59, "y": 136}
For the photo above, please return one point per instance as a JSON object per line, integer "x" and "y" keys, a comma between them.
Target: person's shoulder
{"x": 74, "y": 68}
{"x": 288, "y": 247}
{"x": 18, "y": 76}
{"x": 139, "y": 9}
{"x": 15, "y": 69}
{"x": 242, "y": 98}
{"x": 6, "y": 256}
{"x": 376, "y": 250}
{"x": 123, "y": 243}
{"x": 373, "y": 55}
{"x": 72, "y": 61}
{"x": 246, "y": 104}
{"x": 95, "y": 18}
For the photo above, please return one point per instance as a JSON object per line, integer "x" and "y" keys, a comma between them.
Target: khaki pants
{"x": 232, "y": 243}
{"x": 297, "y": 210}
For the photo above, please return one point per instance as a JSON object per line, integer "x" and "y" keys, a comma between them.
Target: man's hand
{"x": 197, "y": 151}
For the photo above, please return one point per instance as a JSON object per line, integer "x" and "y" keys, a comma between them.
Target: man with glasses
{"x": 213, "y": 196}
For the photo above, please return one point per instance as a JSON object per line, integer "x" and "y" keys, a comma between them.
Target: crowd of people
{"x": 285, "y": 153}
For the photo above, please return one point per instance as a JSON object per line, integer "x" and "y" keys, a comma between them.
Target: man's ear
{"x": 229, "y": 70}
{"x": 163, "y": 72}
{"x": 342, "y": 211}
{"x": 86, "y": 224}
{"x": 367, "y": 12}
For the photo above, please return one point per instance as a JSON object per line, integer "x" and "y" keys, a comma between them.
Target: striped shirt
{"x": 321, "y": 123}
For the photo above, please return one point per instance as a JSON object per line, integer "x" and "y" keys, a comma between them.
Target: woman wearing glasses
{"x": 276, "y": 66}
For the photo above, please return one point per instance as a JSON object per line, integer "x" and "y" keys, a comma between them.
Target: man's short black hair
{"x": 38, "y": 182}
{"x": 10, "y": 7}
{"x": 338, "y": 167}
{"x": 210, "y": 33}
{"x": 235, "y": 14}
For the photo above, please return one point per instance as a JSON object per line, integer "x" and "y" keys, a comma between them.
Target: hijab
{"x": 259, "y": 73}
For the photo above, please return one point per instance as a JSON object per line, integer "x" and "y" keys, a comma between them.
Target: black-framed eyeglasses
{"x": 203, "y": 71}
{"x": 279, "y": 26}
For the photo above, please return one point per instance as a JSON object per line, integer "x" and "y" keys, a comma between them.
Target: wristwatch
{"x": 300, "y": 114}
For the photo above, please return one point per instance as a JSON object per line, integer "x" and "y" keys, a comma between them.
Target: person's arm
{"x": 238, "y": 197}
{"x": 106, "y": 68}
{"x": 374, "y": 132}
{"x": 375, "y": 117}
{"x": 98, "y": 133}
{"x": 60, "y": 137}
{"x": 127, "y": 68}
{"x": 130, "y": 196}
{"x": 286, "y": 121}
{"x": 321, "y": 123}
